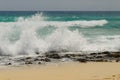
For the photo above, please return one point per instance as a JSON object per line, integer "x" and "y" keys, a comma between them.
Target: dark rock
{"x": 42, "y": 59}
{"x": 46, "y": 59}
{"x": 89, "y": 57}
{"x": 37, "y": 53}
{"x": 9, "y": 63}
{"x": 67, "y": 56}
{"x": 93, "y": 53}
{"x": 99, "y": 56}
{"x": 54, "y": 56}
{"x": 82, "y": 60}
{"x": 72, "y": 55}
{"x": 36, "y": 59}
{"x": 117, "y": 60}
{"x": 99, "y": 60}
{"x": 114, "y": 55}
{"x": 106, "y": 52}
{"x": 39, "y": 62}
{"x": 99, "y": 53}
{"x": 105, "y": 60}
{"x": 40, "y": 56}
{"x": 28, "y": 58}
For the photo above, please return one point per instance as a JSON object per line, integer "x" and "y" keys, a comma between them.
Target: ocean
{"x": 28, "y": 32}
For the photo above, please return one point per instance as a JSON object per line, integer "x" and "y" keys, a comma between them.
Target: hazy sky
{"x": 69, "y": 5}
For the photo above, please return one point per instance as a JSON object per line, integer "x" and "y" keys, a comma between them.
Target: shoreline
{"x": 56, "y": 57}
{"x": 63, "y": 71}
{"x": 56, "y": 66}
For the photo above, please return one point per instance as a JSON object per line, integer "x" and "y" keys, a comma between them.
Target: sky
{"x": 59, "y": 5}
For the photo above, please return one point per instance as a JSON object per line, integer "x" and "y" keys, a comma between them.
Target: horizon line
{"x": 58, "y": 11}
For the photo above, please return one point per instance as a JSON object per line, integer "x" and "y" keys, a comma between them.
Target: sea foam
{"x": 21, "y": 37}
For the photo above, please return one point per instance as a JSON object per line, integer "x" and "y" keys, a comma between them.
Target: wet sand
{"x": 63, "y": 71}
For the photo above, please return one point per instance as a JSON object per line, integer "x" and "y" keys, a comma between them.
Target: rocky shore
{"x": 54, "y": 56}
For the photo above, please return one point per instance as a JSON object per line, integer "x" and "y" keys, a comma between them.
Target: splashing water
{"x": 34, "y": 34}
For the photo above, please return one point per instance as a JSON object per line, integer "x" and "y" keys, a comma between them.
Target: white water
{"x": 40, "y": 22}
{"x": 26, "y": 40}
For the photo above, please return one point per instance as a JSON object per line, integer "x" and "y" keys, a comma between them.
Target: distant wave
{"x": 39, "y": 19}
{"x": 82, "y": 24}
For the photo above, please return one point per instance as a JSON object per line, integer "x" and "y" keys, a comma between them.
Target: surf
{"x": 26, "y": 36}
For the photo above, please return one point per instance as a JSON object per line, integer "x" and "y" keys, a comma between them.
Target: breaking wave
{"x": 22, "y": 37}
{"x": 40, "y": 20}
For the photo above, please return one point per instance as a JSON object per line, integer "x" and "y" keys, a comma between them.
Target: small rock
{"x": 99, "y": 60}
{"x": 28, "y": 58}
{"x": 46, "y": 60}
{"x": 106, "y": 52}
{"x": 54, "y": 56}
{"x": 36, "y": 59}
{"x": 28, "y": 62}
{"x": 67, "y": 56}
{"x": 52, "y": 52}
{"x": 82, "y": 60}
{"x": 99, "y": 56}
{"x": 93, "y": 53}
{"x": 9, "y": 64}
{"x": 37, "y": 53}
{"x": 114, "y": 55}
{"x": 39, "y": 62}
{"x": 117, "y": 60}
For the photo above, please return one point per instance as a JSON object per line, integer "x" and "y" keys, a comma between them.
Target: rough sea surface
{"x": 31, "y": 32}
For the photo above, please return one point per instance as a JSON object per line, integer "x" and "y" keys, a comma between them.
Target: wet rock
{"x": 114, "y": 55}
{"x": 54, "y": 56}
{"x": 105, "y": 60}
{"x": 99, "y": 60}
{"x": 93, "y": 53}
{"x": 82, "y": 60}
{"x": 36, "y": 59}
{"x": 37, "y": 53}
{"x": 39, "y": 63}
{"x": 117, "y": 60}
{"x": 72, "y": 55}
{"x": 46, "y": 60}
{"x": 99, "y": 57}
{"x": 8, "y": 63}
{"x": 106, "y": 52}
{"x": 67, "y": 56}
{"x": 28, "y": 58}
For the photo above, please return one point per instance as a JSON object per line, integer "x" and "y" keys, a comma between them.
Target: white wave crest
{"x": 39, "y": 19}
{"x": 21, "y": 38}
{"x": 82, "y": 24}
{"x": 34, "y": 18}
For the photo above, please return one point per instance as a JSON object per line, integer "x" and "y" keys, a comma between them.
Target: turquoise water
{"x": 27, "y": 32}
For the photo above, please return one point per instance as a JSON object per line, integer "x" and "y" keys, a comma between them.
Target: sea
{"x": 31, "y": 32}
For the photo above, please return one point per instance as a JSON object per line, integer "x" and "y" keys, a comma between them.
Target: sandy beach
{"x": 63, "y": 71}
